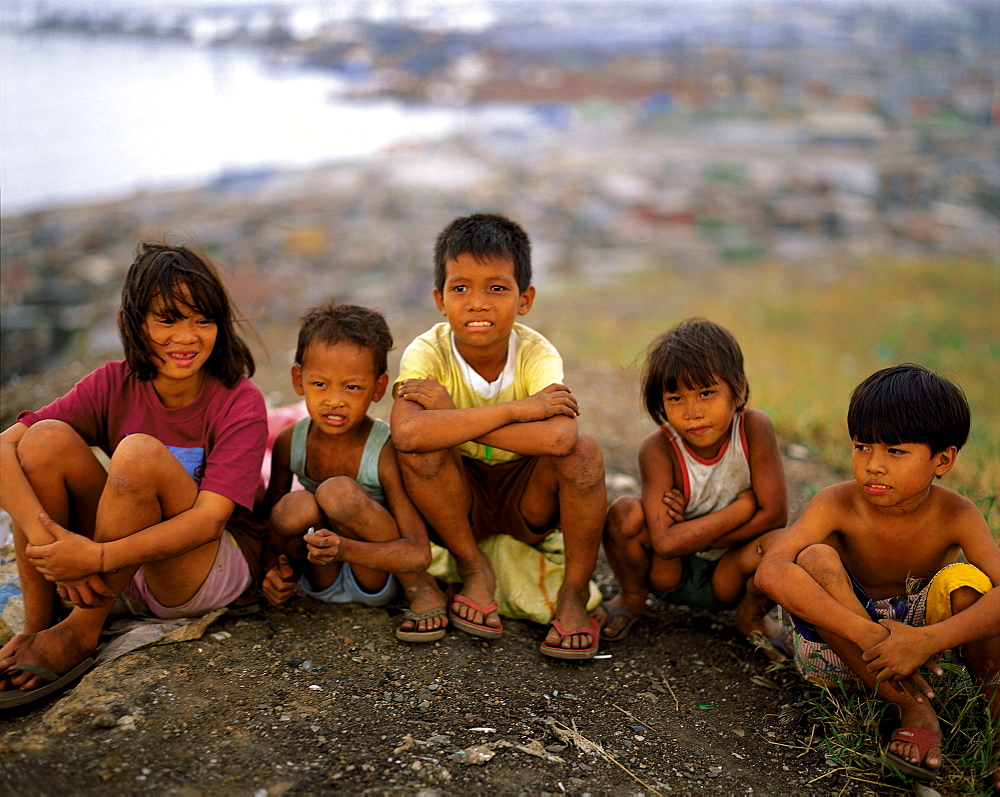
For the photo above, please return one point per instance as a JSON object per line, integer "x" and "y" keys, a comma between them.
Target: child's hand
{"x": 68, "y": 558}
{"x": 87, "y": 593}
{"x": 323, "y": 546}
{"x": 553, "y": 400}
{"x": 675, "y": 502}
{"x": 900, "y": 654}
{"x": 428, "y": 393}
{"x": 279, "y": 583}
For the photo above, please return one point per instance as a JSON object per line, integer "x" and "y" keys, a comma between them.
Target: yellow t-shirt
{"x": 532, "y": 365}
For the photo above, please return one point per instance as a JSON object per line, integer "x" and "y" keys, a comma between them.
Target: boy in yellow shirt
{"x": 487, "y": 432}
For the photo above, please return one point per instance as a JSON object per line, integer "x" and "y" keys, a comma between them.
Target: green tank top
{"x": 367, "y": 471}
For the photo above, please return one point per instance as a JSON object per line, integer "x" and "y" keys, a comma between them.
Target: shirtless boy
{"x": 487, "y": 432}
{"x": 843, "y": 569}
{"x": 353, "y": 526}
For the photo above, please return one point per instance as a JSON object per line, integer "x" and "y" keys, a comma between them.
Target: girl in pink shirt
{"x": 169, "y": 521}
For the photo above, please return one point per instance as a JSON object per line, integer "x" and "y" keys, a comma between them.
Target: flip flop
{"x": 421, "y": 636}
{"x": 17, "y": 697}
{"x": 924, "y": 739}
{"x": 617, "y": 611}
{"x": 573, "y": 653}
{"x": 476, "y": 629}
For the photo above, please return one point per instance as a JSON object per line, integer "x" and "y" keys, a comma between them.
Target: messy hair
{"x": 484, "y": 235}
{"x": 332, "y": 323}
{"x": 160, "y": 272}
{"x": 909, "y": 404}
{"x": 693, "y": 354}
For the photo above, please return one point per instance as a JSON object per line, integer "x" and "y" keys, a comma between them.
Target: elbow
{"x": 405, "y": 441}
{"x": 665, "y": 547}
{"x": 564, "y": 441}
{"x": 767, "y": 580}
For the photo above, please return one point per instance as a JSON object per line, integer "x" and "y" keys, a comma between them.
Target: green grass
{"x": 856, "y": 726}
{"x": 810, "y": 333}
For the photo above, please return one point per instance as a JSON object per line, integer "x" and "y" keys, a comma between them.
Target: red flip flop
{"x": 476, "y": 629}
{"x": 577, "y": 654}
{"x": 924, "y": 739}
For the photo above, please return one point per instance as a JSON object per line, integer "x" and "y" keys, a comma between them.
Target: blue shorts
{"x": 346, "y": 589}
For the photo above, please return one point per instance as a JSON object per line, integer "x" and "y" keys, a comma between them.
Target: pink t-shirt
{"x": 219, "y": 438}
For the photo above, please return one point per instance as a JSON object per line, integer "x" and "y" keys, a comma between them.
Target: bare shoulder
{"x": 955, "y": 513}
{"x": 838, "y": 500}
{"x": 757, "y": 422}
{"x": 656, "y": 446}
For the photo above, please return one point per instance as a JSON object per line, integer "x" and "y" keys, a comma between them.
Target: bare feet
{"x": 618, "y": 615}
{"x": 57, "y": 649}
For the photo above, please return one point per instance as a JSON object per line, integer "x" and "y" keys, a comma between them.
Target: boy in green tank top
{"x": 344, "y": 536}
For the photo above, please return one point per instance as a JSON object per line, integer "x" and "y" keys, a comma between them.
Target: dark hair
{"x": 909, "y": 404}
{"x": 694, "y": 353}
{"x": 346, "y": 323}
{"x": 160, "y": 272}
{"x": 484, "y": 235}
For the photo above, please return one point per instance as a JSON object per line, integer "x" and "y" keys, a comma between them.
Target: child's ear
{"x": 297, "y": 379}
{"x": 527, "y": 299}
{"x": 439, "y": 301}
{"x": 944, "y": 461}
{"x": 380, "y": 385}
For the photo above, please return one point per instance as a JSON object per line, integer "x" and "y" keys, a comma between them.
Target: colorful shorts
{"x": 346, "y": 589}
{"x": 817, "y": 663}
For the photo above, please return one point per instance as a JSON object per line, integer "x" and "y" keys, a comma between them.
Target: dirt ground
{"x": 315, "y": 698}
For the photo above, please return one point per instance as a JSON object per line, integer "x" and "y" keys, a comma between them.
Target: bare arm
{"x": 788, "y": 584}
{"x": 16, "y": 494}
{"x": 411, "y": 551}
{"x": 280, "y": 483}
{"x": 908, "y": 648}
{"x": 73, "y": 556}
{"x": 754, "y": 512}
{"x": 425, "y": 419}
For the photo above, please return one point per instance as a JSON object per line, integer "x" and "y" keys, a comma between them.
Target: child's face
{"x": 898, "y": 477}
{"x": 702, "y": 416}
{"x": 339, "y": 384}
{"x": 180, "y": 346}
{"x": 481, "y": 300}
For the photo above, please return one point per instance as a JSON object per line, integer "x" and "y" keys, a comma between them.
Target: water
{"x": 84, "y": 117}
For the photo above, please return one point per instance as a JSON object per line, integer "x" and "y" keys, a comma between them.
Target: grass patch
{"x": 857, "y": 726}
{"x": 810, "y": 333}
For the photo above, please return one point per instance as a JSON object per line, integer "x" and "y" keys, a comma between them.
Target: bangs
{"x": 175, "y": 292}
{"x": 692, "y": 376}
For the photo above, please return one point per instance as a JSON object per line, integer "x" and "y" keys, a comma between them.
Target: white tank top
{"x": 710, "y": 485}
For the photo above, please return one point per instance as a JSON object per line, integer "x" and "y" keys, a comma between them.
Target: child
{"x": 845, "y": 568}
{"x": 488, "y": 435}
{"x": 353, "y": 524}
{"x": 713, "y": 488}
{"x": 169, "y": 520}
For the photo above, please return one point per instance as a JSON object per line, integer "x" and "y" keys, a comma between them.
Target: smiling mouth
{"x": 876, "y": 488}
{"x": 182, "y": 358}
{"x": 480, "y": 324}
